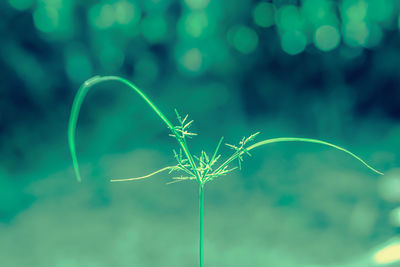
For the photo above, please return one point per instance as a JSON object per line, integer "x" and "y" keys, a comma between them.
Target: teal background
{"x": 317, "y": 69}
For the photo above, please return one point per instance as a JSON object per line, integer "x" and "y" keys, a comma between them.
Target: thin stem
{"x": 201, "y": 225}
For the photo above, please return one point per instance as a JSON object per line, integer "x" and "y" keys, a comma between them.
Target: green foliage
{"x": 201, "y": 168}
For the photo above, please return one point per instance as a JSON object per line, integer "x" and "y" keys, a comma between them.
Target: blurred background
{"x": 314, "y": 68}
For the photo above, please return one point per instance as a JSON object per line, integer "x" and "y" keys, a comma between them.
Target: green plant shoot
{"x": 202, "y": 168}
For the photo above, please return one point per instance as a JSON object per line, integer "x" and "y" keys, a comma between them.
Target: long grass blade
{"x": 76, "y": 106}
{"x": 308, "y": 140}
{"x": 142, "y": 177}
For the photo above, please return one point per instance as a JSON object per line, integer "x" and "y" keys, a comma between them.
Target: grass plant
{"x": 203, "y": 168}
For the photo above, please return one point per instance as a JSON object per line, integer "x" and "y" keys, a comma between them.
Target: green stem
{"x": 201, "y": 225}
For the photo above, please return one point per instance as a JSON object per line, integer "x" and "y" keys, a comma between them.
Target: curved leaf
{"x": 308, "y": 140}
{"x": 76, "y": 106}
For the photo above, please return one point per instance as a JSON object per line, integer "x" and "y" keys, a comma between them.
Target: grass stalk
{"x": 201, "y": 225}
{"x": 205, "y": 170}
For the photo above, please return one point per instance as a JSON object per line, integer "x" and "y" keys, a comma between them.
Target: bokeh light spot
{"x": 195, "y": 23}
{"x": 354, "y": 10}
{"x": 126, "y": 12}
{"x": 264, "y": 14}
{"x": 111, "y": 56}
{"x": 46, "y": 18}
{"x": 388, "y": 254}
{"x": 102, "y": 16}
{"x": 289, "y": 18}
{"x": 197, "y": 4}
{"x": 355, "y": 33}
{"x": 318, "y": 11}
{"x": 154, "y": 28}
{"x": 244, "y": 39}
{"x": 327, "y": 38}
{"x": 78, "y": 65}
{"x": 398, "y": 22}
{"x": 293, "y": 42}
{"x": 192, "y": 60}
{"x": 21, "y": 4}
{"x": 395, "y": 217}
{"x": 389, "y": 186}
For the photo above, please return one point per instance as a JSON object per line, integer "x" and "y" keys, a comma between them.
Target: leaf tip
{"x": 78, "y": 178}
